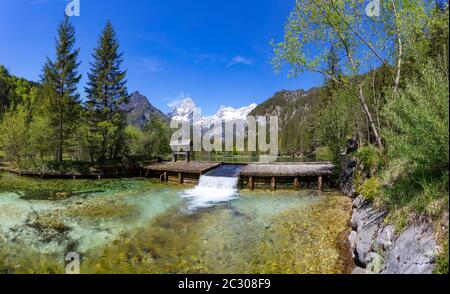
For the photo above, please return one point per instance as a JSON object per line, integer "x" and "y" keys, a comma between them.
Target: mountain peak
{"x": 140, "y": 110}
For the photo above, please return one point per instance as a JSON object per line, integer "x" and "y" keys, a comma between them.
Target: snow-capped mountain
{"x": 230, "y": 113}
{"x": 186, "y": 109}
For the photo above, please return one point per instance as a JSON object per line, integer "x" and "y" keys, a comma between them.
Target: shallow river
{"x": 143, "y": 226}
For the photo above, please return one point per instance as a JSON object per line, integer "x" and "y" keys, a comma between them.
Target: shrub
{"x": 418, "y": 118}
{"x": 370, "y": 159}
{"x": 442, "y": 260}
{"x": 324, "y": 154}
{"x": 370, "y": 188}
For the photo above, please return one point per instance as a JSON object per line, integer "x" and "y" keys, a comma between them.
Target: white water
{"x": 212, "y": 190}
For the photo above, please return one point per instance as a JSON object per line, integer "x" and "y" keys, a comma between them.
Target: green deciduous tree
{"x": 14, "y": 134}
{"x": 152, "y": 141}
{"x": 157, "y": 137}
{"x": 317, "y": 27}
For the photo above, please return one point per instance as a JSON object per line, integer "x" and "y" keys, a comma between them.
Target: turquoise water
{"x": 143, "y": 226}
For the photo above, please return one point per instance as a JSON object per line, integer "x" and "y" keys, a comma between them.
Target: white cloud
{"x": 238, "y": 59}
{"x": 207, "y": 58}
{"x": 152, "y": 64}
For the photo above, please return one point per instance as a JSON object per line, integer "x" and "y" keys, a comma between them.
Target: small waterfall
{"x": 212, "y": 190}
{"x": 218, "y": 182}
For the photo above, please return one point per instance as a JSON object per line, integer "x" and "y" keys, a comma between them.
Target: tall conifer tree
{"x": 107, "y": 95}
{"x": 60, "y": 79}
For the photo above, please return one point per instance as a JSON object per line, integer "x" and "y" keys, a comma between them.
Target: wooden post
{"x": 296, "y": 183}
{"x": 273, "y": 184}
{"x": 319, "y": 183}
{"x": 251, "y": 184}
{"x": 166, "y": 178}
{"x": 180, "y": 178}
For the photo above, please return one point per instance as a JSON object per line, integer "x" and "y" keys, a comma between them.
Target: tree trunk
{"x": 60, "y": 138}
{"x": 399, "y": 52}
{"x": 372, "y": 125}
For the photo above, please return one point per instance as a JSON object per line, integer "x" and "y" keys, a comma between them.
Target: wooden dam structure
{"x": 253, "y": 175}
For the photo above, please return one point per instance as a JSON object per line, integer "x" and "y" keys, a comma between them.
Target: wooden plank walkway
{"x": 182, "y": 171}
{"x": 302, "y": 169}
{"x": 194, "y": 167}
{"x": 293, "y": 171}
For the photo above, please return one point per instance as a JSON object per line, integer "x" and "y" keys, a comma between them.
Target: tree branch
{"x": 354, "y": 31}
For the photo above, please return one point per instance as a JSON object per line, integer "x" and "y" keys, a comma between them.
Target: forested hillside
{"x": 15, "y": 90}
{"x": 296, "y": 111}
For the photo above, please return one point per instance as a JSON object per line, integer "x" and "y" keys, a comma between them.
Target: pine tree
{"x": 107, "y": 95}
{"x": 60, "y": 79}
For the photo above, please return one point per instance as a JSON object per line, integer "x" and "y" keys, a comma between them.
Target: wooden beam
{"x": 180, "y": 178}
{"x": 296, "y": 183}
{"x": 166, "y": 178}
{"x": 251, "y": 184}
{"x": 273, "y": 183}
{"x": 161, "y": 177}
{"x": 319, "y": 183}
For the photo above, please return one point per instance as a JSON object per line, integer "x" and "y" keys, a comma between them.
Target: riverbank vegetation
{"x": 386, "y": 88}
{"x": 46, "y": 127}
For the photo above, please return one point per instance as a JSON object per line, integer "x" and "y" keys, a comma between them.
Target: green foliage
{"x": 324, "y": 154}
{"x": 107, "y": 96}
{"x": 135, "y": 140}
{"x": 338, "y": 121}
{"x": 296, "y": 111}
{"x": 417, "y": 193}
{"x": 60, "y": 79}
{"x": 157, "y": 137}
{"x": 15, "y": 91}
{"x": 13, "y": 134}
{"x": 152, "y": 141}
{"x": 370, "y": 188}
{"x": 417, "y": 135}
{"x": 370, "y": 159}
{"x": 418, "y": 119}
{"x": 442, "y": 260}
{"x": 24, "y": 140}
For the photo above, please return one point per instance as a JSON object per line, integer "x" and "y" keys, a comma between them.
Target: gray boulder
{"x": 412, "y": 252}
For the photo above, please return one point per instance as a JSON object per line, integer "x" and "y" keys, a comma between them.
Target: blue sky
{"x": 216, "y": 51}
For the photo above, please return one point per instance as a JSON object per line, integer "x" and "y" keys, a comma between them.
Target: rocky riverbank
{"x": 376, "y": 247}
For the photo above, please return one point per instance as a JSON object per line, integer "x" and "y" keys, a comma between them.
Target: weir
{"x": 226, "y": 170}
{"x": 286, "y": 175}
{"x": 218, "y": 185}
